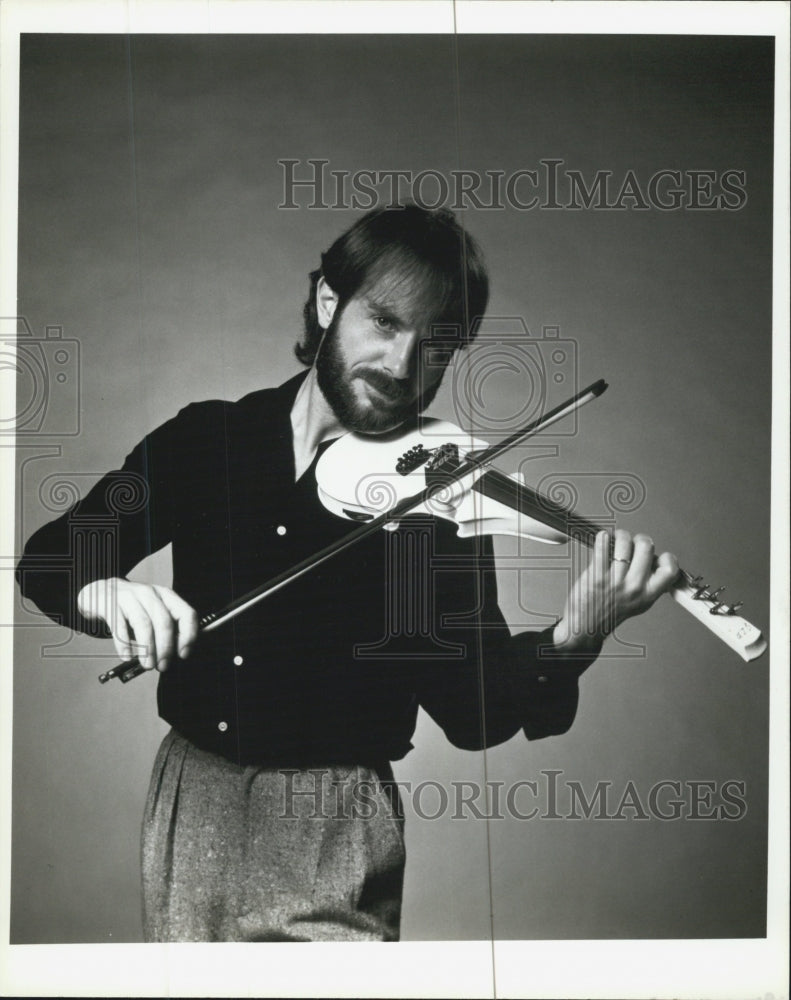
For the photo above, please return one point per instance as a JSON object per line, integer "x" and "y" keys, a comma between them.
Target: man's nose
{"x": 399, "y": 360}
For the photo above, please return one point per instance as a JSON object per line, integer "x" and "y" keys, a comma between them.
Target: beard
{"x": 396, "y": 405}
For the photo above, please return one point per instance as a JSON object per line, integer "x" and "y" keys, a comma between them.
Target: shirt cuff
{"x": 548, "y": 683}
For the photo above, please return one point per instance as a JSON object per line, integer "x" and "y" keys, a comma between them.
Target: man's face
{"x": 372, "y": 367}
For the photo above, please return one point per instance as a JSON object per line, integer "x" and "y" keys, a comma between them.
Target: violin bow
{"x": 472, "y": 463}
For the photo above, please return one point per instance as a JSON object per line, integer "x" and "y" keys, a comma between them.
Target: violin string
{"x": 498, "y": 486}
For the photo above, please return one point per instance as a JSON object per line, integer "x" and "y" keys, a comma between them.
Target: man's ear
{"x": 326, "y": 303}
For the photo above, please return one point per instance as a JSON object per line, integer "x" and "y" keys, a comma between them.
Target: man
{"x": 271, "y": 813}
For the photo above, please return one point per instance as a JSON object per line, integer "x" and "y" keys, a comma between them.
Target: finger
{"x": 144, "y": 645}
{"x": 597, "y": 608}
{"x": 622, "y": 551}
{"x": 186, "y": 618}
{"x": 122, "y": 636}
{"x": 163, "y": 625}
{"x": 600, "y": 563}
{"x": 664, "y": 576}
{"x": 98, "y": 600}
{"x": 642, "y": 562}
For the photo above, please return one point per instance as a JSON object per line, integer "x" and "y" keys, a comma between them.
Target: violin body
{"x": 359, "y": 478}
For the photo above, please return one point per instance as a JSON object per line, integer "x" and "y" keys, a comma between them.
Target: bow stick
{"x": 472, "y": 463}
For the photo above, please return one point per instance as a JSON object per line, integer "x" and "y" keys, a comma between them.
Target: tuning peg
{"x": 729, "y": 609}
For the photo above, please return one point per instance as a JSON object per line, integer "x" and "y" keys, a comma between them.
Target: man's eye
{"x": 384, "y": 323}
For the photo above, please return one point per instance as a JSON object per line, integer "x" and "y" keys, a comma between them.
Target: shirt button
{"x": 223, "y": 727}
{"x": 238, "y": 660}
{"x": 281, "y": 529}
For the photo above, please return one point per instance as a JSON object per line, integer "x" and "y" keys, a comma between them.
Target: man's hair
{"x": 440, "y": 262}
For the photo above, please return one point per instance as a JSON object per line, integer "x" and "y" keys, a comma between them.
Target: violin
{"x": 485, "y": 502}
{"x": 435, "y": 468}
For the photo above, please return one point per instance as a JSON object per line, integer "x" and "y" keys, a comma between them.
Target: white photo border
{"x": 699, "y": 968}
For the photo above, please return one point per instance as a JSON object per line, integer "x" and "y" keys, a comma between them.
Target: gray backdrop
{"x": 150, "y": 232}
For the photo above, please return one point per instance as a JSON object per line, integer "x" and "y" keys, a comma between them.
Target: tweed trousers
{"x": 234, "y": 853}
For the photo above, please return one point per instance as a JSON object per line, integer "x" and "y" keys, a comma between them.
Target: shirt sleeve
{"x": 503, "y": 683}
{"x": 125, "y": 517}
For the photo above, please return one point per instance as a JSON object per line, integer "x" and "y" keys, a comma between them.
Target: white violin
{"x": 437, "y": 469}
{"x": 363, "y": 478}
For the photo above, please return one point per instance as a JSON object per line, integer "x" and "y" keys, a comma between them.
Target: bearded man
{"x": 252, "y": 829}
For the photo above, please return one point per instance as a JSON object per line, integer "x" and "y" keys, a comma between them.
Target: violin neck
{"x": 497, "y": 486}
{"x": 696, "y": 597}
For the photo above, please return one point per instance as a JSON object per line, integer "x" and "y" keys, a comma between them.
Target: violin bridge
{"x": 445, "y": 458}
{"x": 443, "y": 463}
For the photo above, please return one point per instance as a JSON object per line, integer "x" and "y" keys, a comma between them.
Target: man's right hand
{"x": 146, "y": 621}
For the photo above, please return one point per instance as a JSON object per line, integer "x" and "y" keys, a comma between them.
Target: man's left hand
{"x": 622, "y": 580}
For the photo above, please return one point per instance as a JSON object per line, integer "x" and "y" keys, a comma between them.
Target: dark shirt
{"x": 332, "y": 668}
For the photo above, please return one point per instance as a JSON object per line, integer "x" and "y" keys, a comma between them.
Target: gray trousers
{"x": 262, "y": 854}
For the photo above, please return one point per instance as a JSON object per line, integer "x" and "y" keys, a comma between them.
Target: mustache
{"x": 396, "y": 390}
